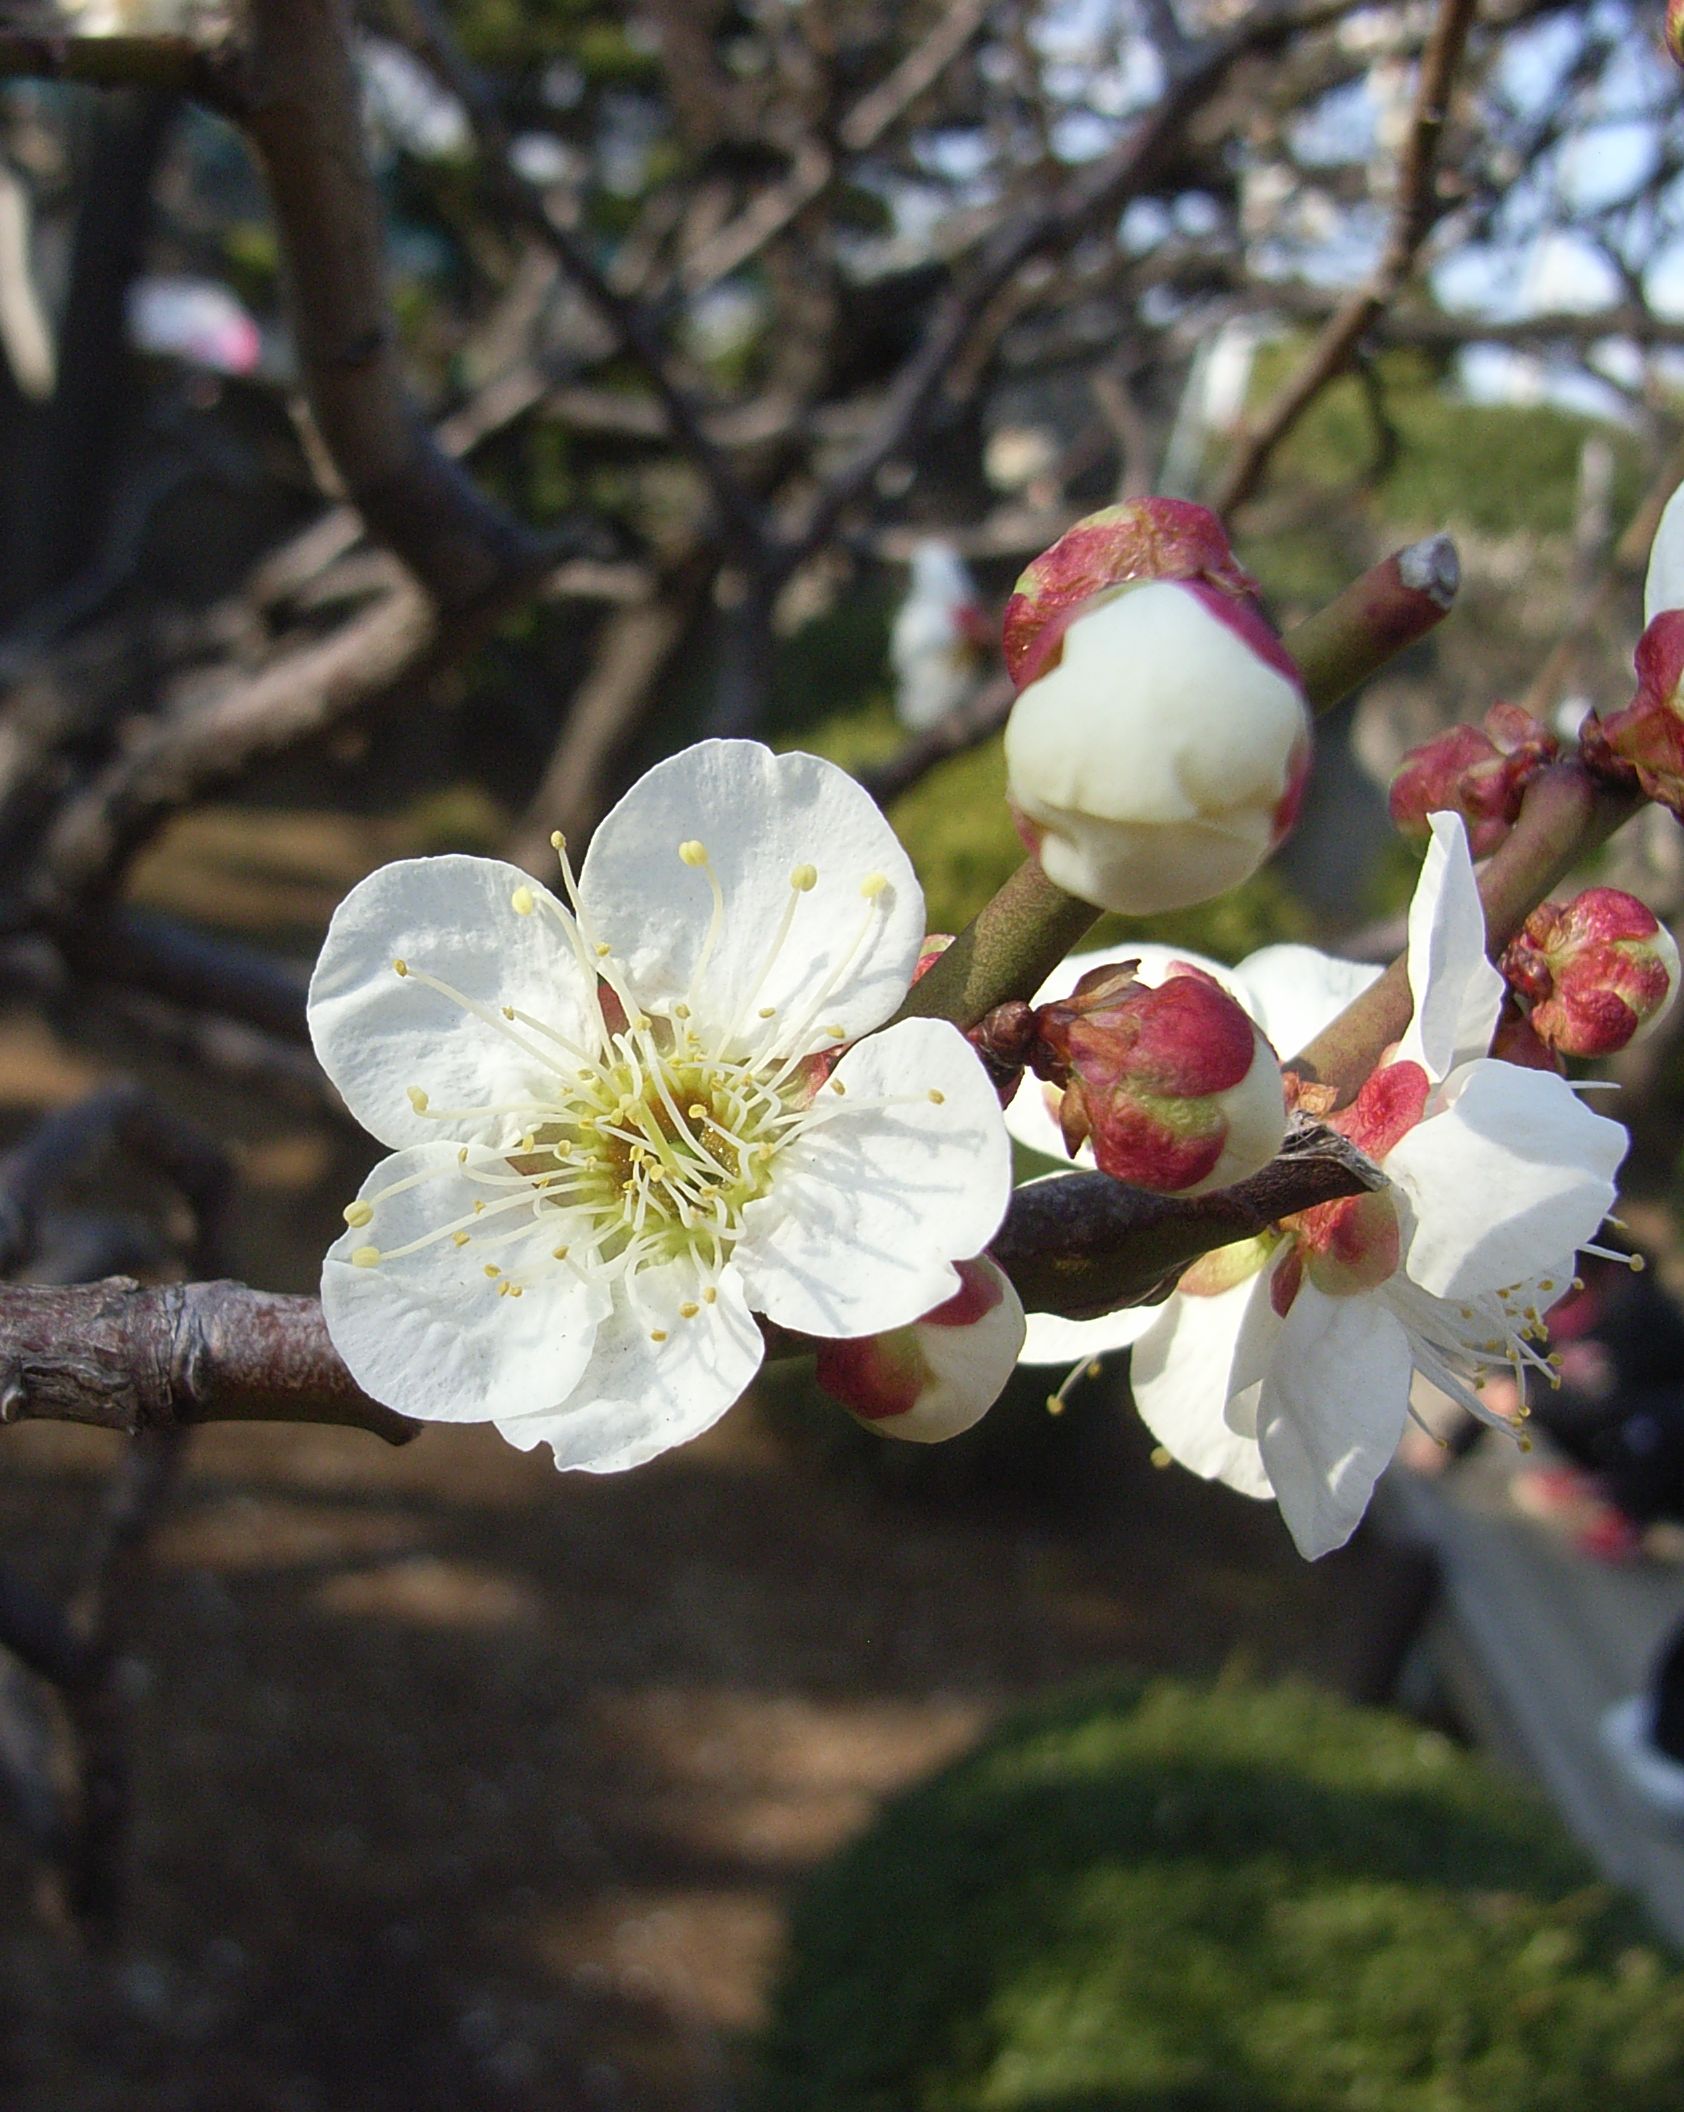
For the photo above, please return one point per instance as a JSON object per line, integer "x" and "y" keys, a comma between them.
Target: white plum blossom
{"x": 1283, "y": 1366}
{"x": 624, "y": 1125}
{"x": 1162, "y": 757}
{"x": 940, "y": 633}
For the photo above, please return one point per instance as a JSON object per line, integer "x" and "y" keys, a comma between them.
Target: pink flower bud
{"x": 1118, "y": 546}
{"x": 1599, "y": 970}
{"x": 1647, "y": 738}
{"x": 1480, "y": 774}
{"x": 1162, "y": 757}
{"x": 1174, "y": 1088}
{"x": 1517, "y": 1041}
{"x": 941, "y": 1374}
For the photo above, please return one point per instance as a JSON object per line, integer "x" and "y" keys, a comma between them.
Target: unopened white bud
{"x": 1162, "y": 757}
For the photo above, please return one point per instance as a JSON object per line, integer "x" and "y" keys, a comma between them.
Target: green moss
{"x": 1167, "y": 1898}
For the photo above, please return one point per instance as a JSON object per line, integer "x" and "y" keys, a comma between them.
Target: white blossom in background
{"x": 624, "y": 1125}
{"x": 197, "y": 321}
{"x": 940, "y": 631}
{"x": 1162, "y": 757}
{"x": 404, "y": 103}
{"x": 1283, "y": 1366}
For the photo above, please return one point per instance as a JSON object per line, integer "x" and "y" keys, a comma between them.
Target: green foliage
{"x": 1498, "y": 469}
{"x": 1166, "y": 1898}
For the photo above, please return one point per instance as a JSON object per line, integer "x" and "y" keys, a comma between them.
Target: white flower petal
{"x": 378, "y": 1033}
{"x": 1663, "y": 588}
{"x": 639, "y": 1397}
{"x": 1512, "y": 1169}
{"x": 1181, "y": 1376}
{"x": 1051, "y": 1339}
{"x": 1032, "y": 1123}
{"x": 871, "y": 1204}
{"x": 1294, "y": 991}
{"x": 1457, "y": 992}
{"x": 1331, "y": 1412}
{"x": 428, "y": 1333}
{"x": 845, "y": 959}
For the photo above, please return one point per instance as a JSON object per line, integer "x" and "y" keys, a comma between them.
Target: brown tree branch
{"x": 303, "y": 115}
{"x": 123, "y": 1356}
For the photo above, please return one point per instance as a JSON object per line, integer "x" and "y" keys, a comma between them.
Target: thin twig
{"x": 1413, "y": 215}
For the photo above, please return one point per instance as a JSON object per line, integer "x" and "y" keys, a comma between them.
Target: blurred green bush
{"x": 1168, "y": 1898}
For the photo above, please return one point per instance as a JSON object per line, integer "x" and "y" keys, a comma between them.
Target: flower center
{"x": 646, "y": 1148}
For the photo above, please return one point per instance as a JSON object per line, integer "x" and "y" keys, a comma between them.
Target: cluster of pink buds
{"x": 1159, "y": 746}
{"x": 1478, "y": 772}
{"x": 941, "y": 1374}
{"x": 1596, "y": 971}
{"x": 1174, "y": 1088}
{"x": 1646, "y": 739}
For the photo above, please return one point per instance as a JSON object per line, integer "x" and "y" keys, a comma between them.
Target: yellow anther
{"x": 689, "y": 1309}
{"x": 1637, "y": 1264}
{"x": 513, "y": 1289}
{"x": 1055, "y": 1404}
{"x": 696, "y": 1111}
{"x": 1546, "y": 1284}
{"x": 529, "y": 1142}
{"x": 359, "y": 1213}
{"x": 937, "y": 1098}
{"x": 523, "y": 901}
{"x": 458, "y": 1239}
{"x": 558, "y": 842}
{"x": 479, "y": 1209}
{"x": 768, "y": 1012}
{"x": 710, "y": 1296}
{"x": 873, "y": 885}
{"x": 400, "y": 967}
{"x": 417, "y": 1098}
{"x": 558, "y": 1253}
{"x": 503, "y": 1289}
{"x": 692, "y": 852}
{"x": 837, "y": 1087}
{"x": 603, "y": 949}
{"x": 508, "y": 1011}
{"x": 681, "y": 1011}
{"x": 657, "y": 1334}
{"x": 804, "y": 878}
{"x": 462, "y": 1155}
{"x": 491, "y": 1269}
{"x": 364, "y": 1257}
{"x": 837, "y": 1033}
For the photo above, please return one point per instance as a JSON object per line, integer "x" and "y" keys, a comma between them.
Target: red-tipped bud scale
{"x": 1174, "y": 1089}
{"x": 1478, "y": 772}
{"x": 1599, "y": 971}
